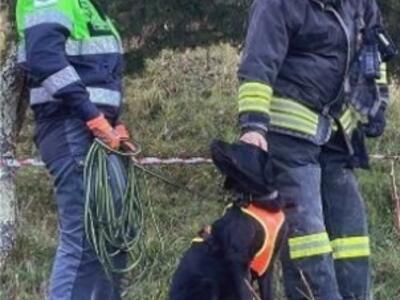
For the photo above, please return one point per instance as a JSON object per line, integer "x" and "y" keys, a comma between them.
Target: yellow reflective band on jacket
{"x": 348, "y": 121}
{"x": 351, "y": 247}
{"x": 255, "y": 97}
{"x": 291, "y": 115}
{"x": 383, "y": 73}
{"x": 309, "y": 245}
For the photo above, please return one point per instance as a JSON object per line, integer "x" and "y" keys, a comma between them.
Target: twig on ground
{"x": 395, "y": 198}
{"x": 256, "y": 296}
{"x": 309, "y": 294}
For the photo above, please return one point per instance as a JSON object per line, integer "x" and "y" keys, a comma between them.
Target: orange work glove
{"x": 124, "y": 135}
{"x": 122, "y": 131}
{"x": 102, "y": 129}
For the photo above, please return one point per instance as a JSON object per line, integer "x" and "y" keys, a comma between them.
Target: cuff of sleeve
{"x": 88, "y": 110}
{"x": 254, "y": 121}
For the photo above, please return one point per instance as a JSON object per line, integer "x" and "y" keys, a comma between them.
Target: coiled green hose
{"x": 114, "y": 209}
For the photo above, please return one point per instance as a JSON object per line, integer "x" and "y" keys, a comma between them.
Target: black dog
{"x": 222, "y": 262}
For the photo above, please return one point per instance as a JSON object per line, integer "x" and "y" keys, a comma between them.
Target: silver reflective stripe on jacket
{"x": 60, "y": 80}
{"x": 92, "y": 46}
{"x": 97, "y": 95}
{"x": 46, "y": 17}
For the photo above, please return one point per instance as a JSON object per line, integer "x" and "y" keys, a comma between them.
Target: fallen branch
{"x": 145, "y": 161}
{"x": 308, "y": 294}
{"x": 385, "y": 157}
{"x": 250, "y": 287}
{"x": 395, "y": 198}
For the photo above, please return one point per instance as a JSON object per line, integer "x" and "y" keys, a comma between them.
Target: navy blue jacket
{"x": 72, "y": 54}
{"x": 301, "y": 50}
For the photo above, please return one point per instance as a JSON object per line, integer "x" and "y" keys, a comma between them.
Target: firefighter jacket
{"x": 73, "y": 57}
{"x": 296, "y": 59}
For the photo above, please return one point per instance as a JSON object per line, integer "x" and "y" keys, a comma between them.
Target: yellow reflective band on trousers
{"x": 383, "y": 72}
{"x": 291, "y": 115}
{"x": 255, "y": 97}
{"x": 309, "y": 245}
{"x": 351, "y": 247}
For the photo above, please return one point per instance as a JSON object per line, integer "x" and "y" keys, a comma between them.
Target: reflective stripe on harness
{"x": 96, "y": 95}
{"x": 271, "y": 223}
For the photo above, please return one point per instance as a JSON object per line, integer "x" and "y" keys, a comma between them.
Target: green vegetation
{"x": 152, "y": 25}
{"x": 179, "y": 104}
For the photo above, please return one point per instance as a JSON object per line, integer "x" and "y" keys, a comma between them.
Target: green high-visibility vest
{"x": 91, "y": 32}
{"x": 81, "y": 17}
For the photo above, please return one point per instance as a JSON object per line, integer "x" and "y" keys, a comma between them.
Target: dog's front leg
{"x": 265, "y": 284}
{"x": 240, "y": 272}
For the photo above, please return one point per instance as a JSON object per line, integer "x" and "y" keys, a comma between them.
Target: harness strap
{"x": 271, "y": 223}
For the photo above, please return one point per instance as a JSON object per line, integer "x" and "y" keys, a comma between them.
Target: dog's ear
{"x": 205, "y": 232}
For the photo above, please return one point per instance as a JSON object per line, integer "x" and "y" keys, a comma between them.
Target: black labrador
{"x": 227, "y": 256}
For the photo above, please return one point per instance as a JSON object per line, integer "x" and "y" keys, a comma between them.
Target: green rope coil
{"x": 114, "y": 208}
{"x": 117, "y": 210}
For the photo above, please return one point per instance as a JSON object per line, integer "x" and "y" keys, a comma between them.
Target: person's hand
{"x": 255, "y": 138}
{"x": 123, "y": 132}
{"x": 102, "y": 130}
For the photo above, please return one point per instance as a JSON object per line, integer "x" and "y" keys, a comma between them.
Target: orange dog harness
{"x": 271, "y": 223}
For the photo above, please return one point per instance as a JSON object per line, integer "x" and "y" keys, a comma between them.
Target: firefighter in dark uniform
{"x": 72, "y": 54}
{"x": 305, "y": 85}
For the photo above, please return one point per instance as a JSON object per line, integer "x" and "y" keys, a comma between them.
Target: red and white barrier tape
{"x": 146, "y": 161}
{"x": 174, "y": 161}
{"x": 155, "y": 161}
{"x": 385, "y": 157}
{"x": 13, "y": 163}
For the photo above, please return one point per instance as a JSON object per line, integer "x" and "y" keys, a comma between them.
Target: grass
{"x": 181, "y": 102}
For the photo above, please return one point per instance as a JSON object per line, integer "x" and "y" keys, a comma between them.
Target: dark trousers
{"x": 326, "y": 253}
{"x": 77, "y": 273}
